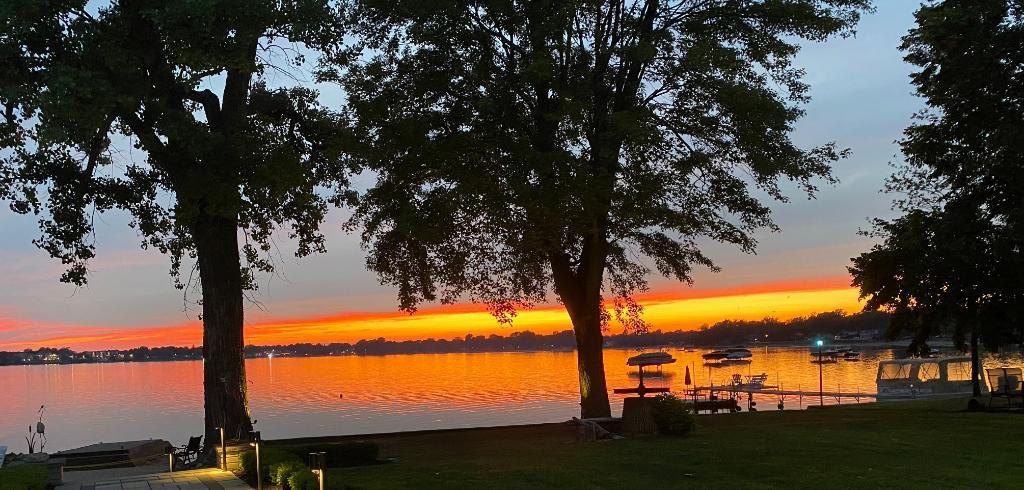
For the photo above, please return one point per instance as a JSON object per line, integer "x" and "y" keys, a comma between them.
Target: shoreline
{"x": 869, "y": 344}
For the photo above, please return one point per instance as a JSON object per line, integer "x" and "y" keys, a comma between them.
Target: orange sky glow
{"x": 673, "y": 308}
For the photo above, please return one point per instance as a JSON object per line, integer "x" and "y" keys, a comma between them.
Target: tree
{"x": 523, "y": 147}
{"x": 165, "y": 110}
{"x": 955, "y": 258}
{"x": 932, "y": 271}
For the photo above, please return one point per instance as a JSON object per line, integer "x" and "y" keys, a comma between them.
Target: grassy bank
{"x": 904, "y": 445}
{"x": 23, "y": 477}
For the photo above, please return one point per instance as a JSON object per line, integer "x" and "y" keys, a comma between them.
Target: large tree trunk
{"x": 590, "y": 361}
{"x": 216, "y": 240}
{"x": 582, "y": 299}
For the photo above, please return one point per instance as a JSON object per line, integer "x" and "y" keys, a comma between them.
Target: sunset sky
{"x": 862, "y": 99}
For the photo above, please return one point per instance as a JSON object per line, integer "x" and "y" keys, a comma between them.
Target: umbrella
{"x": 687, "y": 379}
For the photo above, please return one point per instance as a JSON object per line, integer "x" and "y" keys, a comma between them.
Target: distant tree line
{"x": 64, "y": 355}
{"x": 726, "y": 332}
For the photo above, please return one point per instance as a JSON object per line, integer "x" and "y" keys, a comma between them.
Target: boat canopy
{"x": 650, "y": 359}
{"x": 924, "y": 376}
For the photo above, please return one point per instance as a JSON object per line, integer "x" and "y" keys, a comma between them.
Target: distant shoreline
{"x": 865, "y": 329}
{"x": 871, "y": 345}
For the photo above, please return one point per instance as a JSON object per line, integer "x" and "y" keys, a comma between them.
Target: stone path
{"x": 204, "y": 479}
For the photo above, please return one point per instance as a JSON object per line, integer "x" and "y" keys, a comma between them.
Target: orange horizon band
{"x": 663, "y": 310}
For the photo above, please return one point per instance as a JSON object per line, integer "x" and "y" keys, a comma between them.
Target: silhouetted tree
{"x": 529, "y": 146}
{"x": 166, "y": 110}
{"x": 956, "y": 257}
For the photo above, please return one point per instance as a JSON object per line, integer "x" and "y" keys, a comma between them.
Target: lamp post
{"x": 223, "y": 450}
{"x": 821, "y": 396}
{"x": 317, "y": 462}
{"x": 254, "y": 441}
{"x": 170, "y": 459}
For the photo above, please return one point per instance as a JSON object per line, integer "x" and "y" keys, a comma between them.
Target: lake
{"x": 309, "y": 396}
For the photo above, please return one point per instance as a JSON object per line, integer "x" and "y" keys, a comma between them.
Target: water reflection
{"x": 294, "y": 397}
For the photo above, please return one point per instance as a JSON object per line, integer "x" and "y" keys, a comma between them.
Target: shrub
{"x": 23, "y": 477}
{"x": 340, "y": 454}
{"x": 672, "y": 415}
{"x": 303, "y": 480}
{"x": 269, "y": 458}
{"x": 281, "y": 472}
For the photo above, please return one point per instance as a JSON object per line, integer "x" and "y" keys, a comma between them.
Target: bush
{"x": 280, "y": 472}
{"x": 340, "y": 454}
{"x": 303, "y": 480}
{"x": 23, "y": 477}
{"x": 270, "y": 460}
{"x": 672, "y": 415}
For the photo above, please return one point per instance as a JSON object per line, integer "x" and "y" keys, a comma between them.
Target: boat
{"x": 652, "y": 374}
{"x": 731, "y": 353}
{"x": 733, "y": 362}
{"x": 851, "y": 355}
{"x": 924, "y": 377}
{"x": 644, "y": 360}
{"x": 650, "y": 359}
{"x": 830, "y": 356}
{"x": 715, "y": 355}
{"x": 738, "y": 353}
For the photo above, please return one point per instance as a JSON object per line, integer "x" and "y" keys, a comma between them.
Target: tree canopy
{"x": 576, "y": 146}
{"x": 173, "y": 113}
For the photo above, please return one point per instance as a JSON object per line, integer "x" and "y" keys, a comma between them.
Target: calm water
{"x": 292, "y": 397}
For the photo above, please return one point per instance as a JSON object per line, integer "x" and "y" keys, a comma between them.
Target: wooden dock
{"x": 772, "y": 390}
{"x": 707, "y": 397}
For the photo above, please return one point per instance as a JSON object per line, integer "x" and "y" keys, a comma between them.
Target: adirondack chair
{"x": 188, "y": 453}
{"x": 1005, "y": 383}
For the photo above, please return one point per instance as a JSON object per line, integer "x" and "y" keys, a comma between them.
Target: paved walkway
{"x": 204, "y": 479}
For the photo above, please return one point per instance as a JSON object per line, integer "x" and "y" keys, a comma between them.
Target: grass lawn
{"x": 929, "y": 444}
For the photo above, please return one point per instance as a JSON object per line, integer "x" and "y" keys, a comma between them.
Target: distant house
{"x": 873, "y": 334}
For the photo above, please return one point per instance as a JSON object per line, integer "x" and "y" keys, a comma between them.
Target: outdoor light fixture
{"x": 223, "y": 450}
{"x": 317, "y": 462}
{"x": 254, "y": 441}
{"x": 170, "y": 458}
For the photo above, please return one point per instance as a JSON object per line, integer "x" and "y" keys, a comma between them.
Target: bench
{"x": 1005, "y": 383}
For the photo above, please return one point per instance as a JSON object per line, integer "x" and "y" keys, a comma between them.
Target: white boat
{"x": 734, "y": 362}
{"x": 738, "y": 353}
{"x": 650, "y": 359}
{"x": 924, "y": 377}
{"x": 732, "y": 353}
{"x": 715, "y": 355}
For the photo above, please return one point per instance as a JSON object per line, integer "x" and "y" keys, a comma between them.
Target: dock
{"x": 771, "y": 390}
{"x": 727, "y": 398}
